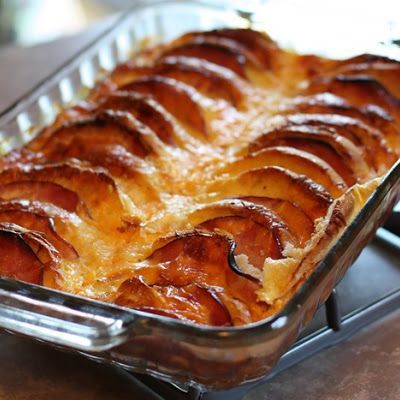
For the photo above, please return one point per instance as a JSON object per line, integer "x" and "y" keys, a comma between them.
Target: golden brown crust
{"x": 202, "y": 180}
{"x": 339, "y": 152}
{"x": 175, "y": 96}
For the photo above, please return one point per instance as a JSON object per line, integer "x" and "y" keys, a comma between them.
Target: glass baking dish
{"x": 205, "y": 357}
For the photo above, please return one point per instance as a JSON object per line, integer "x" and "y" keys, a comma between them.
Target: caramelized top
{"x": 201, "y": 180}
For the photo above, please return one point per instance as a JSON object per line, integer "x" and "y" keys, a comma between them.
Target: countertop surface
{"x": 365, "y": 367}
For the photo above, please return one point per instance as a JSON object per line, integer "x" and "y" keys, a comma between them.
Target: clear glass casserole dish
{"x": 206, "y": 357}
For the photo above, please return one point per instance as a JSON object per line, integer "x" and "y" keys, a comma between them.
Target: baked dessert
{"x": 202, "y": 180}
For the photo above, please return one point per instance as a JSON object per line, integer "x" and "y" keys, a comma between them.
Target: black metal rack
{"x": 344, "y": 313}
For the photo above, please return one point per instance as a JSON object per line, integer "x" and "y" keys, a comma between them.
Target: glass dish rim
{"x": 302, "y": 293}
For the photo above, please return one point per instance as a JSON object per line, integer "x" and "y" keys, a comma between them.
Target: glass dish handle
{"x": 60, "y": 319}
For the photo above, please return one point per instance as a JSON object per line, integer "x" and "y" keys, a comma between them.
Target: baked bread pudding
{"x": 202, "y": 180}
